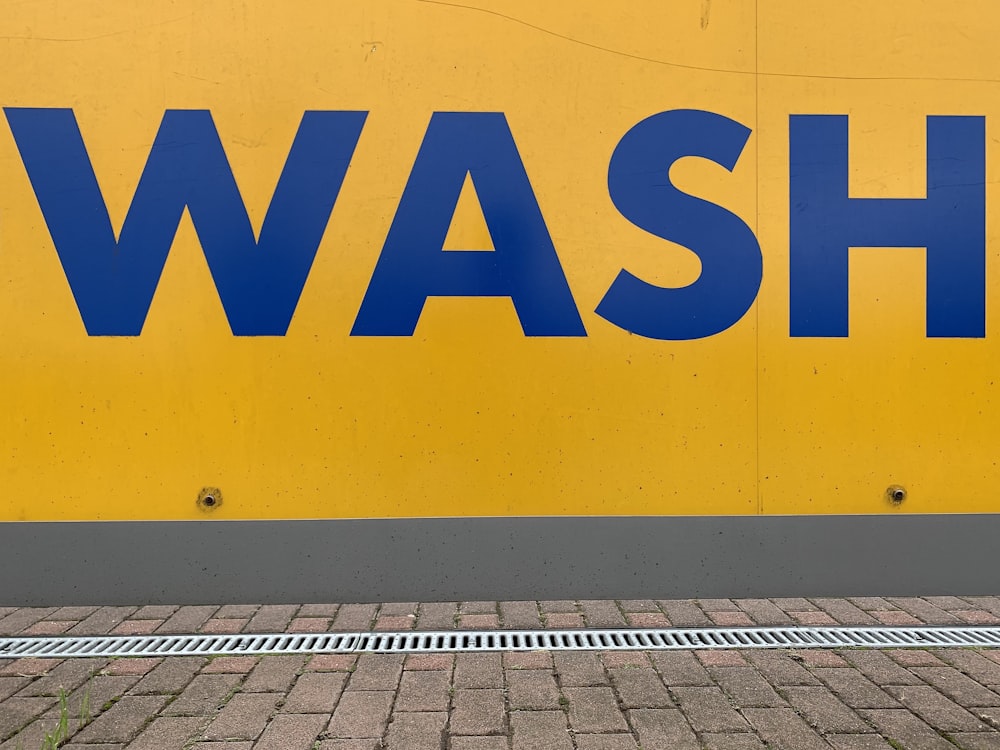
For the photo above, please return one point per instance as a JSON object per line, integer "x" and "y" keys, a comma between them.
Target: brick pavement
{"x": 849, "y": 699}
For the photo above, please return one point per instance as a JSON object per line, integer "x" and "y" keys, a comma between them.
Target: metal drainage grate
{"x": 652, "y": 639}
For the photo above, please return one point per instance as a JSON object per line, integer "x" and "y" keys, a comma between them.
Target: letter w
{"x": 113, "y": 280}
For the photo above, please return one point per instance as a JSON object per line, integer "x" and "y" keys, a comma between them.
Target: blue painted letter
{"x": 950, "y": 222}
{"x": 731, "y": 264}
{"x": 113, "y": 281}
{"x": 523, "y": 265}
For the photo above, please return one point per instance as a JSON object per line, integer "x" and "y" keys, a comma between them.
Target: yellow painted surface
{"x": 468, "y": 416}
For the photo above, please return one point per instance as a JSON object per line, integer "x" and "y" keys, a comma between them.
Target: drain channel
{"x": 652, "y": 639}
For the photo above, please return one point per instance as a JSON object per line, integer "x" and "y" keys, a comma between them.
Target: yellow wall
{"x": 469, "y": 416}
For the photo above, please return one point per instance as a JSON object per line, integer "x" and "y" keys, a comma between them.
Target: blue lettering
{"x": 113, "y": 281}
{"x": 950, "y": 222}
{"x": 731, "y": 262}
{"x": 523, "y": 265}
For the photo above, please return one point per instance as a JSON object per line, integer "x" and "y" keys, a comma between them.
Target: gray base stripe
{"x": 455, "y": 559}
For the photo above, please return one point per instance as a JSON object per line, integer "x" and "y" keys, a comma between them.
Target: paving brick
{"x": 647, "y": 620}
{"x": 744, "y": 741}
{"x": 80, "y": 613}
{"x": 368, "y": 744}
{"x": 976, "y": 617}
{"x": 779, "y": 669}
{"x": 274, "y": 673}
{"x": 171, "y": 676}
{"x": 605, "y": 742}
{"x": 421, "y": 731}
{"x": 437, "y": 616}
{"x": 354, "y": 617}
{"x": 271, "y": 618}
{"x": 635, "y": 659}
{"x": 640, "y": 688}
{"x": 478, "y": 622}
{"x": 989, "y": 715}
{"x": 680, "y": 668}
{"x": 389, "y": 623}
{"x": 957, "y": 686}
{"x": 19, "y": 712}
{"x": 879, "y": 668}
{"x": 856, "y": 690}
{"x": 532, "y": 689}
{"x": 168, "y": 733}
{"x": 564, "y": 620}
{"x": 925, "y": 611}
{"x": 812, "y": 618}
{"x": 824, "y": 711}
{"x": 478, "y": 608}
{"x": 327, "y": 610}
{"x": 244, "y": 717}
{"x": 477, "y": 712}
{"x": 147, "y": 612}
{"x": 746, "y": 687}
{"x": 707, "y": 709}
{"x": 308, "y": 625}
{"x": 204, "y": 695}
{"x": 240, "y": 611}
{"x": 905, "y": 728}
{"x": 730, "y": 619}
{"x": 11, "y": 685}
{"x": 579, "y": 669}
{"x": 977, "y": 741}
{"x": 291, "y": 732}
{"x": 663, "y": 728}
{"x": 136, "y": 627}
{"x": 377, "y": 672}
{"x": 869, "y": 603}
{"x": 988, "y": 603}
{"x": 947, "y": 603}
{"x": 478, "y": 671}
{"x": 975, "y": 665}
{"x": 123, "y": 720}
{"x": 107, "y": 746}
{"x": 219, "y": 626}
{"x": 479, "y": 743}
{"x": 30, "y": 667}
{"x": 845, "y": 612}
{"x": 398, "y": 609}
{"x": 818, "y": 658}
{"x": 764, "y": 612}
{"x": 718, "y": 605}
{"x": 895, "y": 617}
{"x": 936, "y": 709}
{"x": 230, "y": 665}
{"x": 429, "y": 662}
{"x": 601, "y": 614}
{"x": 527, "y": 660}
{"x": 97, "y": 693}
{"x": 519, "y": 615}
{"x": 913, "y": 657}
{"x": 198, "y": 746}
{"x": 361, "y": 713}
{"x": 684, "y": 613}
{"x": 721, "y": 658}
{"x": 23, "y": 618}
{"x": 638, "y": 605}
{"x": 782, "y": 729}
{"x": 858, "y": 742}
{"x": 594, "y": 710}
{"x": 187, "y": 619}
{"x": 48, "y": 627}
{"x": 101, "y": 622}
{"x": 332, "y": 663}
{"x": 551, "y": 606}
{"x": 424, "y": 691}
{"x": 67, "y": 676}
{"x": 793, "y": 604}
{"x": 315, "y": 693}
{"x": 540, "y": 730}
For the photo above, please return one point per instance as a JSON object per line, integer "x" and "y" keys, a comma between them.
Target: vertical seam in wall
{"x": 756, "y": 145}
